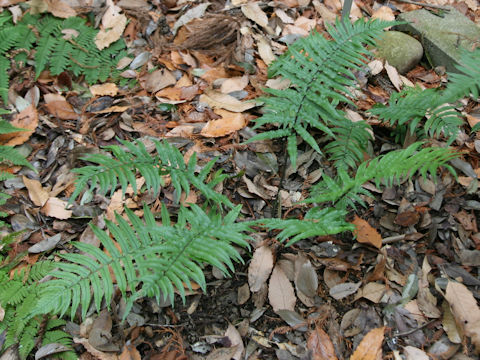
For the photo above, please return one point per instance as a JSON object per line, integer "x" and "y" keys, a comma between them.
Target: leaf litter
{"x": 201, "y": 66}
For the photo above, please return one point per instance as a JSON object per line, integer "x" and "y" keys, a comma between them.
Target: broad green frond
{"x": 7, "y": 128}
{"x": 11, "y": 156}
{"x": 152, "y": 259}
{"x": 134, "y": 157}
{"x": 317, "y": 222}
{"x": 467, "y": 81}
{"x": 320, "y": 72}
{"x": 412, "y": 105}
{"x": 345, "y": 190}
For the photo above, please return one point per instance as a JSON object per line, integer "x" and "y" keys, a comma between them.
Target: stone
{"x": 443, "y": 36}
{"x": 400, "y": 50}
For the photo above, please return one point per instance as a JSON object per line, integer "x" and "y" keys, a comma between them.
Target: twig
{"x": 424, "y": 5}
{"x": 411, "y": 331}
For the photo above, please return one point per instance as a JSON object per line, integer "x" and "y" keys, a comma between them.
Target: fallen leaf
{"x": 113, "y": 24}
{"x": 107, "y": 89}
{"x": 229, "y": 123}
{"x": 26, "y": 119}
{"x": 157, "y": 80}
{"x": 260, "y": 267}
{"x": 130, "y": 352}
{"x": 236, "y": 83}
{"x": 280, "y": 291}
{"x": 370, "y": 348}
{"x": 365, "y": 233}
{"x": 321, "y": 346}
{"x": 36, "y": 192}
{"x": 373, "y": 291}
{"x": 56, "y": 208}
{"x": 217, "y": 100}
{"x": 194, "y": 13}
{"x": 45, "y": 245}
{"x": 465, "y": 310}
{"x": 384, "y": 13}
{"x": 307, "y": 279}
{"x": 427, "y": 303}
{"x": 252, "y": 11}
{"x": 393, "y": 75}
{"x": 236, "y": 340}
{"x": 91, "y": 350}
{"x": 50, "y": 349}
{"x": 341, "y": 291}
{"x": 265, "y": 51}
{"x": 60, "y": 9}
{"x": 62, "y": 110}
{"x": 413, "y": 353}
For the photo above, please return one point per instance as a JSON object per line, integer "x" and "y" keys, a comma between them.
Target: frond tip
{"x": 124, "y": 163}
{"x": 150, "y": 260}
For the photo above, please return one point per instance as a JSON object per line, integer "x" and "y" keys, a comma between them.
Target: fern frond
{"x": 7, "y": 128}
{"x": 345, "y": 190}
{"x": 11, "y": 156}
{"x": 152, "y": 260}
{"x": 320, "y": 72}
{"x": 317, "y": 222}
{"x": 412, "y": 105}
{"x": 349, "y": 143}
{"x": 4, "y": 66}
{"x": 467, "y": 81}
{"x": 133, "y": 158}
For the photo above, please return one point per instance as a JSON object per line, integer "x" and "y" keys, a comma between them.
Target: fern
{"x": 345, "y": 190}
{"x": 56, "y": 49}
{"x": 133, "y": 158}
{"x": 150, "y": 261}
{"x": 412, "y": 105}
{"x": 321, "y": 72}
{"x": 18, "y": 296}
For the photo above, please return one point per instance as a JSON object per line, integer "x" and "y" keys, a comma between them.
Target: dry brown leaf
{"x": 91, "y": 350}
{"x": 365, "y": 233}
{"x": 107, "y": 89}
{"x": 236, "y": 340}
{"x": 280, "y": 291}
{"x": 217, "y": 100}
{"x": 56, "y": 208}
{"x": 252, "y": 11}
{"x": 427, "y": 303}
{"x": 370, "y": 348}
{"x": 116, "y": 205}
{"x": 236, "y": 83}
{"x": 413, "y": 353}
{"x": 265, "y": 50}
{"x": 26, "y": 119}
{"x": 372, "y": 291}
{"x": 62, "y": 110}
{"x": 60, "y": 9}
{"x": 465, "y": 310}
{"x": 36, "y": 192}
{"x": 384, "y": 13}
{"x": 130, "y": 352}
{"x": 157, "y": 80}
{"x": 225, "y": 353}
{"x": 260, "y": 268}
{"x": 321, "y": 346}
{"x": 229, "y": 123}
{"x": 393, "y": 75}
{"x": 113, "y": 24}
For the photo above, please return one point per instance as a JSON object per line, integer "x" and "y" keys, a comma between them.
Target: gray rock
{"x": 400, "y": 50}
{"x": 443, "y": 36}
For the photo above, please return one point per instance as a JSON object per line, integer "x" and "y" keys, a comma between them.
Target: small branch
{"x": 433, "y": 6}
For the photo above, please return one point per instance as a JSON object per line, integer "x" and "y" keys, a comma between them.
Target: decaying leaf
{"x": 465, "y": 310}
{"x": 236, "y": 341}
{"x": 56, "y": 208}
{"x": 217, "y": 100}
{"x": 365, "y": 233}
{"x": 36, "y": 192}
{"x": 280, "y": 291}
{"x": 370, "y": 348}
{"x": 229, "y": 123}
{"x": 26, "y": 119}
{"x": 113, "y": 24}
{"x": 260, "y": 268}
{"x": 341, "y": 291}
{"x": 321, "y": 346}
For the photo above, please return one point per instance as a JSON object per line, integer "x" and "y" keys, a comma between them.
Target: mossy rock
{"x": 400, "y": 50}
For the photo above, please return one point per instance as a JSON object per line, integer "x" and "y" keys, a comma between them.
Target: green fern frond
{"x": 4, "y": 66}
{"x": 152, "y": 260}
{"x": 349, "y": 143}
{"x": 11, "y": 156}
{"x": 345, "y": 190}
{"x": 7, "y": 128}
{"x": 467, "y": 81}
{"x": 134, "y": 157}
{"x": 412, "y": 105}
{"x": 320, "y": 72}
{"x": 317, "y": 222}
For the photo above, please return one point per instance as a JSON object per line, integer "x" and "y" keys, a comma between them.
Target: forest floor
{"x": 200, "y": 64}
